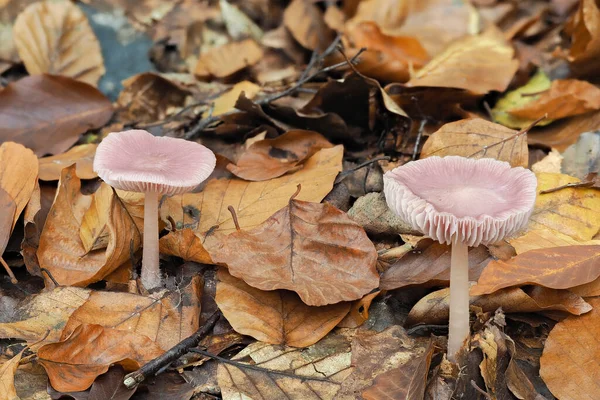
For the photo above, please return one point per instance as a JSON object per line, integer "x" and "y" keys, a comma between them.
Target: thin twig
{"x": 234, "y": 217}
{"x": 151, "y": 368}
{"x": 50, "y": 276}
{"x": 12, "y": 276}
{"x": 589, "y": 181}
{"x": 487, "y": 396}
{"x": 260, "y": 369}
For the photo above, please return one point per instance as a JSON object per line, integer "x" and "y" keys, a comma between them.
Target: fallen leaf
{"x": 82, "y": 156}
{"x": 555, "y": 268}
{"x": 405, "y": 382}
{"x": 238, "y": 24}
{"x": 359, "y": 312}
{"x": 226, "y": 102}
{"x": 47, "y": 311}
{"x": 582, "y": 159}
{"x": 329, "y": 358}
{"x": 479, "y": 63}
{"x": 373, "y": 214}
{"x": 94, "y": 231}
{"x": 165, "y": 318}
{"x": 40, "y": 107}
{"x": 108, "y": 386}
{"x": 428, "y": 262}
{"x": 8, "y": 207}
{"x": 561, "y": 134}
{"x": 275, "y": 317}
{"x": 574, "y": 212}
{"x": 7, "y": 378}
{"x": 34, "y": 219}
{"x": 306, "y": 23}
{"x": 185, "y": 244}
{"x": 56, "y": 38}
{"x": 478, "y": 138}
{"x": 310, "y": 248}
{"x": 542, "y": 238}
{"x": 226, "y": 60}
{"x": 254, "y": 202}
{"x": 61, "y": 250}
{"x": 149, "y": 97}
{"x": 584, "y": 30}
{"x": 271, "y": 158}
{"x": 389, "y": 58}
{"x": 569, "y": 362}
{"x": 434, "y": 308}
{"x": 18, "y": 176}
{"x": 75, "y": 362}
{"x": 550, "y": 163}
{"x": 520, "y": 97}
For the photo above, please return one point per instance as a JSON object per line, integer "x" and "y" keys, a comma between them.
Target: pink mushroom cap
{"x": 138, "y": 161}
{"x": 478, "y": 201}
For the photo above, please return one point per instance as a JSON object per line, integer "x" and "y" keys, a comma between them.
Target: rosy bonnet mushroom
{"x": 138, "y": 161}
{"x": 462, "y": 202}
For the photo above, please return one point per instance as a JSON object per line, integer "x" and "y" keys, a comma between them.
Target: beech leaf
{"x": 305, "y": 22}
{"x": 7, "y": 377}
{"x": 82, "y": 156}
{"x": 186, "y": 244}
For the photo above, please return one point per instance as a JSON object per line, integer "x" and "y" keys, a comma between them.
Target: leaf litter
{"x": 287, "y": 276}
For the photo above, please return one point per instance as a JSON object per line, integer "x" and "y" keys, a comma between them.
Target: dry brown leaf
{"x": 430, "y": 261}
{"x": 18, "y": 175}
{"x": 56, "y": 38}
{"x": 186, "y": 244}
{"x": 75, "y": 362}
{"x": 555, "y": 268}
{"x": 478, "y": 138}
{"x": 569, "y": 364}
{"x": 405, "y": 382}
{"x": 584, "y": 29}
{"x": 82, "y": 156}
{"x": 389, "y": 58}
{"x": 149, "y": 97}
{"x": 565, "y": 98}
{"x": 254, "y": 202}
{"x": 166, "y": 318}
{"x": 271, "y": 158}
{"x": 37, "y": 108}
{"x": 34, "y": 218}
{"x": 226, "y": 60}
{"x": 542, "y": 238}
{"x": 47, "y": 311}
{"x": 307, "y": 25}
{"x": 480, "y": 64}
{"x": 312, "y": 249}
{"x": 359, "y": 312}
{"x": 7, "y": 378}
{"x": 330, "y": 358}
{"x": 275, "y": 317}
{"x": 226, "y": 102}
{"x": 562, "y": 134}
{"x": 434, "y": 308}
{"x": 61, "y": 250}
{"x": 7, "y": 216}
{"x": 94, "y": 231}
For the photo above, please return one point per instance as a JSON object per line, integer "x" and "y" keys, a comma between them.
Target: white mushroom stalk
{"x": 465, "y": 203}
{"x": 137, "y": 161}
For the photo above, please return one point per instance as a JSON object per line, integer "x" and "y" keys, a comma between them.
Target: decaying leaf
{"x": 359, "y": 312}
{"x": 94, "y": 232}
{"x": 271, "y": 158}
{"x": 305, "y": 22}
{"x": 542, "y": 238}
{"x": 186, "y": 244}
{"x": 61, "y": 250}
{"x": 166, "y": 318}
{"x": 47, "y": 311}
{"x": 228, "y": 59}
{"x": 37, "y": 108}
{"x": 373, "y": 214}
{"x": 7, "y": 208}
{"x": 18, "y": 175}
{"x": 329, "y": 358}
{"x": 77, "y": 360}
{"x": 7, "y": 378}
{"x": 478, "y": 63}
{"x": 238, "y": 24}
{"x": 56, "y": 38}
{"x": 434, "y": 308}
{"x": 405, "y": 382}
{"x": 82, "y": 156}
{"x": 275, "y": 317}
{"x": 584, "y": 29}
{"x": 478, "y": 138}
{"x": 226, "y": 102}
{"x": 569, "y": 362}
{"x": 310, "y": 248}
{"x": 561, "y": 134}
{"x": 430, "y": 261}
{"x": 555, "y": 267}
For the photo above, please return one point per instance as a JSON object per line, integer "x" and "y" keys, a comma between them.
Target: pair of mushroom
{"x": 462, "y": 202}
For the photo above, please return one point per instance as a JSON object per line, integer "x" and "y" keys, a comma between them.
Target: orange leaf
{"x": 270, "y": 158}
{"x": 359, "y": 312}
{"x": 186, "y": 244}
{"x": 555, "y": 267}
{"x": 313, "y": 249}
{"x": 226, "y": 60}
{"x": 584, "y": 29}
{"x": 82, "y": 156}
{"x": 275, "y": 317}
{"x": 307, "y": 25}
{"x": 569, "y": 365}
{"x": 74, "y": 363}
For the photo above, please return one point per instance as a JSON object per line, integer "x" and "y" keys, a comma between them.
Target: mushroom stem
{"x": 459, "y": 298}
{"x": 150, "y": 258}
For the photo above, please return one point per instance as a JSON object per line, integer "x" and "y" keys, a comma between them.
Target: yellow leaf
{"x": 82, "y": 156}
{"x": 543, "y": 238}
{"x": 518, "y": 98}
{"x": 226, "y": 102}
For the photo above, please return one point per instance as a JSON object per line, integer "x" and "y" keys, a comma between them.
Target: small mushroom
{"x": 462, "y": 202}
{"x": 137, "y": 161}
